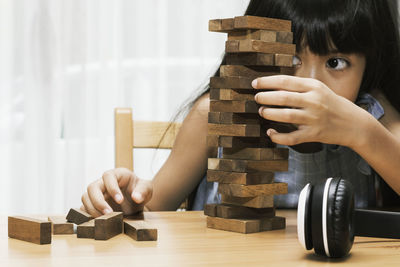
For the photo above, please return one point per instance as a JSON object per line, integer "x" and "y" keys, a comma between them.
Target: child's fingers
{"x": 284, "y": 82}
{"x": 88, "y": 206}
{"x": 112, "y": 187}
{"x": 287, "y": 115}
{"x": 289, "y": 139}
{"x": 95, "y": 192}
{"x": 142, "y": 192}
{"x": 281, "y": 98}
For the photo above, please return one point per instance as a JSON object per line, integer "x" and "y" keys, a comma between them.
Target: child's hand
{"x": 320, "y": 114}
{"x": 118, "y": 190}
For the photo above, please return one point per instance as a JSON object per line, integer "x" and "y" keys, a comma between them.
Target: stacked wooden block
{"x": 256, "y": 47}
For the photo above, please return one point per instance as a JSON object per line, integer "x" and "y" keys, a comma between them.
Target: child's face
{"x": 342, "y": 73}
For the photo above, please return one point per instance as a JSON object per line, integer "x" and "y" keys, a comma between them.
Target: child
{"x": 348, "y": 57}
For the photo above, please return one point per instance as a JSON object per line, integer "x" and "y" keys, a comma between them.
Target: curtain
{"x": 66, "y": 64}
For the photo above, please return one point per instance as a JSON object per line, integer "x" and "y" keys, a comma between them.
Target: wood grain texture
{"x": 255, "y": 153}
{"x": 250, "y": 130}
{"x": 238, "y": 106}
{"x": 262, "y": 23}
{"x": 210, "y": 210}
{"x": 123, "y": 138}
{"x": 234, "y": 118}
{"x": 29, "y": 229}
{"x": 250, "y": 59}
{"x": 230, "y": 94}
{"x": 108, "y": 225}
{"x": 246, "y": 71}
{"x": 239, "y": 46}
{"x": 239, "y": 165}
{"x": 238, "y": 190}
{"x": 234, "y": 82}
{"x": 240, "y": 177}
{"x": 78, "y": 216}
{"x": 155, "y": 134}
{"x": 85, "y": 230}
{"x": 284, "y": 61}
{"x": 60, "y": 225}
{"x": 221, "y": 25}
{"x": 262, "y": 35}
{"x": 252, "y": 202}
{"x": 229, "y": 211}
{"x": 140, "y": 230}
{"x": 241, "y": 142}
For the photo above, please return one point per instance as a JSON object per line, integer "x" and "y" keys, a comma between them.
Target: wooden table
{"x": 183, "y": 240}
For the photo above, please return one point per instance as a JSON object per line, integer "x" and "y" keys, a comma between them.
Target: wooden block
{"x": 246, "y": 71}
{"x": 255, "y": 153}
{"x": 246, "y": 226}
{"x": 78, "y": 216}
{"x": 234, "y": 118}
{"x": 262, "y": 23}
{"x": 238, "y": 46}
{"x": 235, "y": 82}
{"x": 140, "y": 230}
{"x": 212, "y": 140}
{"x": 240, "y": 177}
{"x": 240, "y": 165}
{"x": 284, "y": 61}
{"x": 284, "y": 37}
{"x": 230, "y": 94}
{"x": 221, "y": 25}
{"x": 251, "y": 130}
{"x": 238, "y": 190}
{"x": 210, "y": 210}
{"x": 274, "y": 223}
{"x": 29, "y": 229}
{"x": 253, "y": 202}
{"x": 229, "y": 211}
{"x": 262, "y": 35}
{"x": 85, "y": 230}
{"x": 240, "y": 142}
{"x": 107, "y": 226}
{"x": 60, "y": 226}
{"x": 238, "y": 106}
{"x": 251, "y": 59}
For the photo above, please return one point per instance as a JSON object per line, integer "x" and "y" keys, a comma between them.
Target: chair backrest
{"x": 131, "y": 134}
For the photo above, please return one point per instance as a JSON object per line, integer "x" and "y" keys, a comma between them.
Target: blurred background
{"x": 66, "y": 64}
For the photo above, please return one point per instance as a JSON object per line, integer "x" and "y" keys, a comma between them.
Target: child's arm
{"x": 179, "y": 175}
{"x": 323, "y": 116}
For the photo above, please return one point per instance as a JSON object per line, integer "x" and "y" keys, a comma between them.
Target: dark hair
{"x": 369, "y": 27}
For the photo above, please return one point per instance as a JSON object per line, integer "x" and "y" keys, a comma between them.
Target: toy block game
{"x": 255, "y": 47}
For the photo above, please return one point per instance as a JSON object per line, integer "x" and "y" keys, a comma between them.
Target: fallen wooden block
{"x": 255, "y": 153}
{"x": 249, "y": 130}
{"x": 240, "y": 165}
{"x": 108, "y": 225}
{"x": 85, "y": 230}
{"x": 250, "y": 72}
{"x": 262, "y": 59}
{"x": 229, "y": 211}
{"x": 29, "y": 229}
{"x": 230, "y": 94}
{"x": 262, "y": 23}
{"x": 262, "y": 35}
{"x": 240, "y": 177}
{"x": 237, "y": 106}
{"x": 252, "y": 202}
{"x": 210, "y": 210}
{"x": 78, "y": 216}
{"x": 60, "y": 226}
{"x": 238, "y": 190}
{"x": 246, "y": 226}
{"x": 239, "y": 46}
{"x": 140, "y": 230}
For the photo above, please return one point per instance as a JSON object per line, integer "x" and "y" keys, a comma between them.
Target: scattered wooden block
{"x": 250, "y": 130}
{"x": 221, "y": 25}
{"x": 230, "y": 94}
{"x": 252, "y": 202}
{"x": 60, "y": 226}
{"x": 29, "y": 229}
{"x": 234, "y": 82}
{"x": 255, "y": 153}
{"x": 108, "y": 225}
{"x": 85, "y": 230}
{"x": 237, "y": 106}
{"x": 229, "y": 211}
{"x": 240, "y": 165}
{"x": 238, "y": 190}
{"x": 234, "y": 118}
{"x": 238, "y": 46}
{"x": 262, "y": 35}
{"x": 246, "y": 226}
{"x": 210, "y": 210}
{"x": 78, "y": 216}
{"x": 240, "y": 177}
{"x": 250, "y": 72}
{"x": 140, "y": 230}
{"x": 262, "y": 23}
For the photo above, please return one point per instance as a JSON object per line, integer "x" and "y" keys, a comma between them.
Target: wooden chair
{"x": 130, "y": 134}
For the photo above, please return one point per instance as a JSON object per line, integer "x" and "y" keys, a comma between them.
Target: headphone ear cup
{"x": 340, "y": 217}
{"x": 304, "y": 217}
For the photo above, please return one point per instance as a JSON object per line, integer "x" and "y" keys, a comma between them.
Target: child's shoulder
{"x": 391, "y": 119}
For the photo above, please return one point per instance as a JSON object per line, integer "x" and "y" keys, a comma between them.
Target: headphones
{"x": 328, "y": 222}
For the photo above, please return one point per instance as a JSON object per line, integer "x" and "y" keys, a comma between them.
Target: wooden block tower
{"x": 256, "y": 47}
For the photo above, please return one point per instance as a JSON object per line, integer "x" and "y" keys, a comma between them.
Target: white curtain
{"x": 66, "y": 64}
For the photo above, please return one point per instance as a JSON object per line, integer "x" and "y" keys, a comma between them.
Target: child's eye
{"x": 296, "y": 61}
{"x": 337, "y": 63}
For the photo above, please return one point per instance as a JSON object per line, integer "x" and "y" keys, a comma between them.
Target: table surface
{"x": 183, "y": 240}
